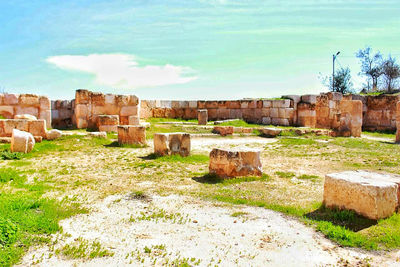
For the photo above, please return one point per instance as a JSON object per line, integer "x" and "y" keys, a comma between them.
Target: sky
{"x": 188, "y": 49}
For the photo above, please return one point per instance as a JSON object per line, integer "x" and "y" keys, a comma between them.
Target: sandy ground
{"x": 207, "y": 144}
{"x": 203, "y": 233}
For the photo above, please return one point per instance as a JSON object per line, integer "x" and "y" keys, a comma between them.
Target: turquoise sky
{"x": 198, "y": 49}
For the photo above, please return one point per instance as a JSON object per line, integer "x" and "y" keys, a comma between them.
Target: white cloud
{"x": 123, "y": 71}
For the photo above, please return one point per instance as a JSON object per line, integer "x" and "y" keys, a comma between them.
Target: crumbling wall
{"x": 14, "y": 104}
{"x": 62, "y": 112}
{"x": 276, "y": 112}
{"x": 89, "y": 105}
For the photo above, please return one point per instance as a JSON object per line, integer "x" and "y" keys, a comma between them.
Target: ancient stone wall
{"x": 89, "y": 105}
{"x": 13, "y": 104}
{"x": 62, "y": 112}
{"x": 379, "y": 112}
{"x": 276, "y": 112}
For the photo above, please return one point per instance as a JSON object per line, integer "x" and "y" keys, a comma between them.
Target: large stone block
{"x": 129, "y": 111}
{"x": 131, "y": 134}
{"x": 27, "y": 110}
{"x": 171, "y": 144}
{"x": 81, "y": 111}
{"x": 270, "y": 132}
{"x": 45, "y": 102}
{"x": 202, "y": 116}
{"x": 107, "y": 120}
{"x": 22, "y": 141}
{"x": 37, "y": 128}
{"x": 53, "y": 134}
{"x": 10, "y": 125}
{"x": 372, "y": 195}
{"x": 7, "y": 112}
{"x": 310, "y": 99}
{"x": 134, "y": 120}
{"x": 82, "y": 96}
{"x": 29, "y": 100}
{"x": 46, "y": 115}
{"x": 11, "y": 99}
{"x": 398, "y": 122}
{"x": 223, "y": 130}
{"x": 227, "y": 164}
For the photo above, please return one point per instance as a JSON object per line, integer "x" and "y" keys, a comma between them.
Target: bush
{"x": 8, "y": 155}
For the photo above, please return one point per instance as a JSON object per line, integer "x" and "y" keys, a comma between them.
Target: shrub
{"x": 8, "y": 232}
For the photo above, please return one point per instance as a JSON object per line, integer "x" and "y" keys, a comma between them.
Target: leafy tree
{"x": 342, "y": 82}
{"x": 371, "y": 66}
{"x": 391, "y": 73}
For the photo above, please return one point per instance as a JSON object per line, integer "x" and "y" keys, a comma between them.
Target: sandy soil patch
{"x": 196, "y": 232}
{"x": 207, "y": 144}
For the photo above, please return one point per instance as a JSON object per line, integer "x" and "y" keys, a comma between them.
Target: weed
{"x": 8, "y": 155}
{"x": 239, "y": 214}
{"x": 82, "y": 249}
{"x": 285, "y": 174}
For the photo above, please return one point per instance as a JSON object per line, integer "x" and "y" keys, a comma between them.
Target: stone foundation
{"x": 372, "y": 195}
{"x": 107, "y": 123}
{"x": 226, "y": 164}
{"x": 130, "y": 134}
{"x": 223, "y": 130}
{"x": 36, "y": 128}
{"x": 171, "y": 144}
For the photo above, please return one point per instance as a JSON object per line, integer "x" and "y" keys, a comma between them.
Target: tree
{"x": 342, "y": 82}
{"x": 370, "y": 66}
{"x": 391, "y": 72}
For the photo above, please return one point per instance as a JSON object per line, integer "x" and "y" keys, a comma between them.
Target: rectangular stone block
{"x": 131, "y": 134}
{"x": 223, "y": 113}
{"x": 11, "y": 124}
{"x": 234, "y": 104}
{"x": 81, "y": 123}
{"x": 202, "y": 116}
{"x": 235, "y": 114}
{"x": 129, "y": 111}
{"x": 372, "y": 195}
{"x": 109, "y": 99}
{"x": 267, "y": 103}
{"x": 192, "y": 104}
{"x": 122, "y": 100}
{"x": 166, "y": 104}
{"x": 46, "y": 115}
{"x": 109, "y": 120}
{"x": 310, "y": 99}
{"x": 29, "y": 100}
{"x": 133, "y": 100}
{"x": 235, "y": 163}
{"x": 37, "y": 128}
{"x": 44, "y": 102}
{"x": 274, "y": 113}
{"x": 108, "y": 128}
{"x": 266, "y": 120}
{"x": 82, "y": 96}
{"x": 7, "y": 112}
{"x": 134, "y": 120}
{"x": 81, "y": 111}
{"x": 19, "y": 110}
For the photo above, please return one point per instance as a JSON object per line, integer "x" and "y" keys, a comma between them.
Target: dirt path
{"x": 207, "y": 144}
{"x": 175, "y": 229}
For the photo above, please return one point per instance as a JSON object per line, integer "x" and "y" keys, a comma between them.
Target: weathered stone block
{"x": 234, "y": 104}
{"x": 81, "y": 111}
{"x": 266, "y": 120}
{"x": 133, "y": 100}
{"x": 107, "y": 120}
{"x": 172, "y": 143}
{"x": 82, "y": 96}
{"x": 37, "y": 128}
{"x": 372, "y": 195}
{"x": 22, "y": 141}
{"x": 274, "y": 113}
{"x": 7, "y": 112}
{"x": 9, "y": 125}
{"x": 227, "y": 164}
{"x": 53, "y": 134}
{"x": 223, "y": 130}
{"x": 270, "y": 132}
{"x": 46, "y": 115}
{"x": 202, "y": 116}
{"x": 131, "y": 134}
{"x": 27, "y": 110}
{"x": 134, "y": 120}
{"x": 108, "y": 128}
{"x": 29, "y": 100}
{"x": 310, "y": 99}
{"x": 129, "y": 111}
{"x": 44, "y": 102}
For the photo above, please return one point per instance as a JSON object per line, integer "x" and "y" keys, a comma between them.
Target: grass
{"x": 59, "y": 167}
{"x": 83, "y": 249}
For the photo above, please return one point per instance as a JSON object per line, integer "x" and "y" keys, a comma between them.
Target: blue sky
{"x": 198, "y": 49}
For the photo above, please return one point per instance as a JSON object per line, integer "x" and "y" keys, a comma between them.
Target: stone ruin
{"x": 232, "y": 163}
{"x": 172, "y": 144}
{"x": 369, "y": 194}
{"x": 131, "y": 135}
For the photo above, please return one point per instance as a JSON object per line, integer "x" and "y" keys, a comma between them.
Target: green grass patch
{"x": 214, "y": 179}
{"x": 296, "y": 141}
{"x": 239, "y": 123}
{"x": 116, "y": 144}
{"x": 195, "y": 158}
{"x": 308, "y": 177}
{"x": 10, "y": 174}
{"x": 285, "y": 174}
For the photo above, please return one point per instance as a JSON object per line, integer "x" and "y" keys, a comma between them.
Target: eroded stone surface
{"x": 202, "y": 116}
{"x": 270, "y": 132}
{"x": 233, "y": 163}
{"x": 372, "y": 195}
{"x": 22, "y": 141}
{"x": 131, "y": 134}
{"x": 223, "y": 130}
{"x": 25, "y": 117}
{"x": 172, "y": 143}
{"x": 53, "y": 134}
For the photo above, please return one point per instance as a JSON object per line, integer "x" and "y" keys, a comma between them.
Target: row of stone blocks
{"x": 13, "y": 104}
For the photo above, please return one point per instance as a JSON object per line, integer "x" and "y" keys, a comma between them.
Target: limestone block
{"x": 212, "y": 114}
{"x": 172, "y": 143}
{"x": 134, "y": 120}
{"x": 29, "y": 100}
{"x": 10, "y": 99}
{"x": 109, "y": 99}
{"x": 310, "y": 99}
{"x": 37, "y": 127}
{"x": 289, "y": 113}
{"x": 46, "y": 115}
{"x": 266, "y": 120}
{"x": 274, "y": 113}
{"x": 166, "y": 104}
{"x": 53, "y": 134}
{"x": 192, "y": 104}
{"x": 9, "y": 125}
{"x": 133, "y": 100}
{"x": 252, "y": 104}
{"x": 281, "y": 113}
{"x": 202, "y": 116}
{"x": 22, "y": 141}
{"x": 234, "y": 104}
{"x": 190, "y": 113}
{"x": 270, "y": 132}
{"x": 26, "y": 110}
{"x": 107, "y": 120}
{"x": 25, "y": 117}
{"x": 295, "y": 98}
{"x": 211, "y": 104}
{"x": 44, "y": 102}
{"x": 233, "y": 163}
{"x": 131, "y": 134}
{"x": 223, "y": 113}
{"x": 98, "y": 99}
{"x": 267, "y": 103}
{"x": 55, "y": 114}
{"x": 82, "y": 96}
{"x": 129, "y": 111}
{"x": 244, "y": 104}
{"x": 7, "y": 112}
{"x": 81, "y": 123}
{"x": 38, "y": 139}
{"x": 124, "y": 120}
{"x": 235, "y": 114}
{"x": 372, "y": 195}
{"x": 122, "y": 100}
{"x": 223, "y": 130}
{"x": 81, "y": 111}
{"x": 201, "y": 104}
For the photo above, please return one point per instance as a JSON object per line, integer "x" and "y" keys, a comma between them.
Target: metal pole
{"x": 333, "y": 72}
